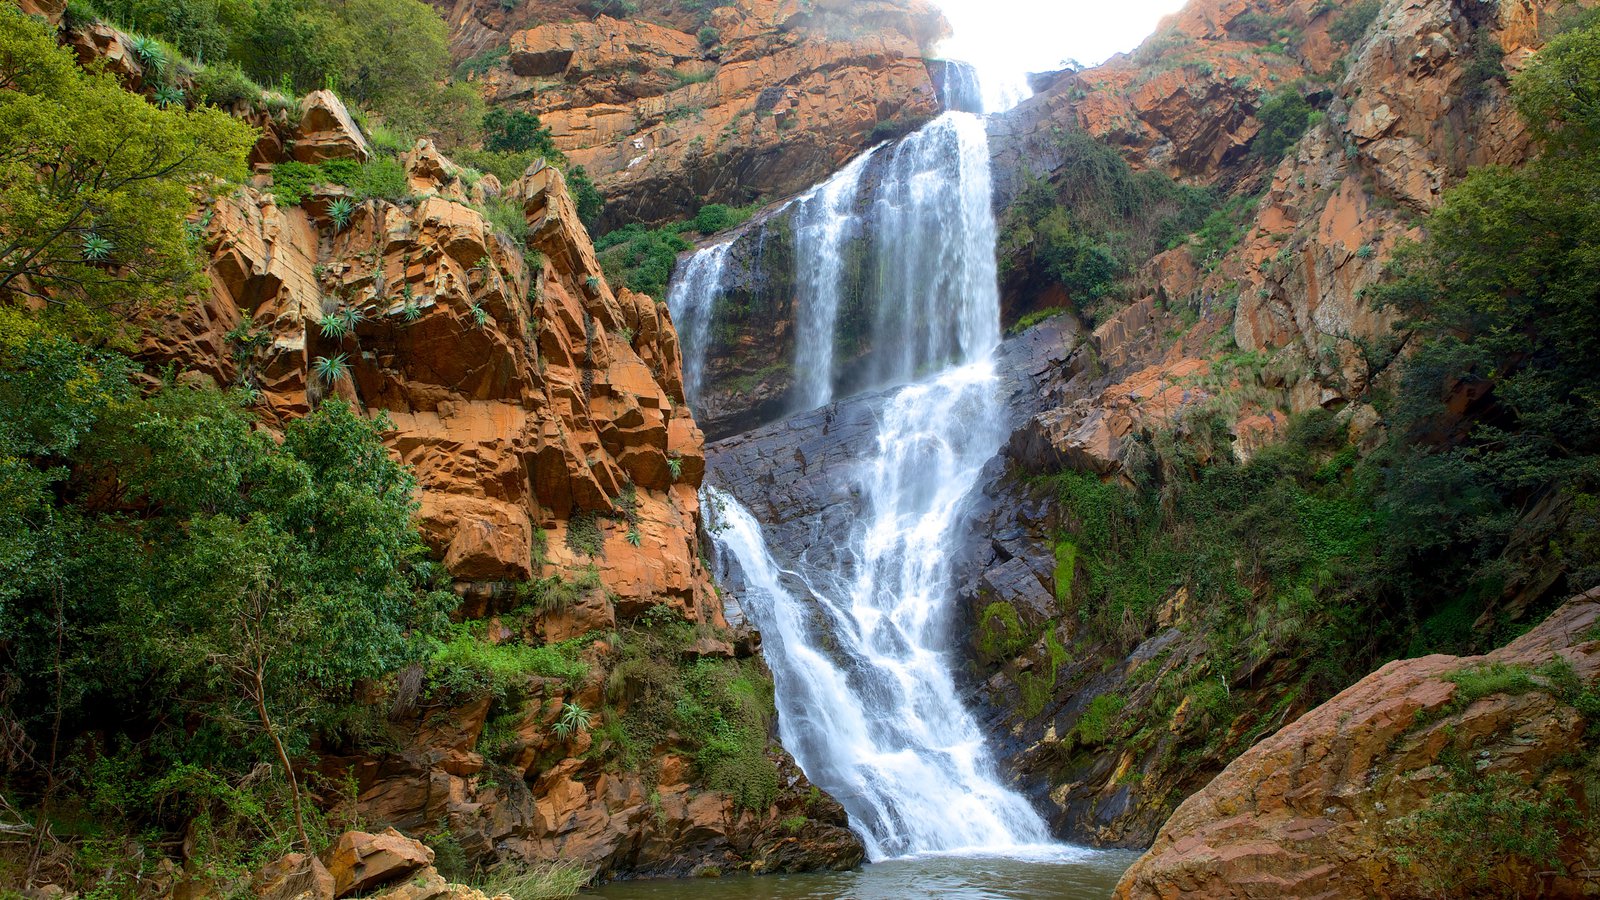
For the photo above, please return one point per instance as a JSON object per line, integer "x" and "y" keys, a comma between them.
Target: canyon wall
{"x": 1274, "y": 325}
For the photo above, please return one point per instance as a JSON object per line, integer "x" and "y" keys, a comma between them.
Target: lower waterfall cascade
{"x": 858, "y": 643}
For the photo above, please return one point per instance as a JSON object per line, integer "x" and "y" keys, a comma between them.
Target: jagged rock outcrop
{"x": 1409, "y": 106}
{"x": 543, "y": 415}
{"x": 1329, "y": 805}
{"x": 758, "y": 98}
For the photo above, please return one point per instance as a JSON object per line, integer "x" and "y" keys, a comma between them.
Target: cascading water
{"x": 937, "y": 299}
{"x": 867, "y": 703}
{"x": 824, "y": 221}
{"x": 857, "y": 632}
{"x": 692, "y": 299}
{"x": 958, "y": 86}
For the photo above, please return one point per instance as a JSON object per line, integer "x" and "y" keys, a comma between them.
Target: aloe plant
{"x": 634, "y": 537}
{"x": 96, "y": 249}
{"x": 340, "y": 212}
{"x": 675, "y": 465}
{"x": 329, "y": 369}
{"x": 574, "y": 720}
{"x": 150, "y": 54}
{"x": 334, "y": 327}
{"x": 479, "y": 315}
{"x": 168, "y": 95}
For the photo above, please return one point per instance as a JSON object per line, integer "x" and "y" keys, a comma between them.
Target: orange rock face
{"x": 1402, "y": 122}
{"x": 1319, "y": 809}
{"x": 772, "y": 97}
{"x": 521, "y": 390}
{"x": 543, "y": 416}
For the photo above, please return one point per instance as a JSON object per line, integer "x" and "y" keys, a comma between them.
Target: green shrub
{"x": 467, "y": 667}
{"x": 224, "y": 84}
{"x": 1284, "y": 117}
{"x": 641, "y": 258}
{"x": 1353, "y": 22}
{"x": 516, "y": 131}
{"x": 1483, "y": 823}
{"x": 1098, "y": 722}
{"x": 507, "y": 217}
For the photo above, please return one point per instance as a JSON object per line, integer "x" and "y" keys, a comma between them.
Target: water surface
{"x": 1089, "y": 877}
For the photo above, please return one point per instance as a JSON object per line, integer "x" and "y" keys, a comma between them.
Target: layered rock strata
{"x": 542, "y": 413}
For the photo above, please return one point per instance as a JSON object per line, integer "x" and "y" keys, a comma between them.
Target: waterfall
{"x": 867, "y": 702}
{"x": 824, "y": 222}
{"x": 858, "y": 631}
{"x": 936, "y": 295}
{"x": 692, "y": 300}
{"x": 958, "y": 86}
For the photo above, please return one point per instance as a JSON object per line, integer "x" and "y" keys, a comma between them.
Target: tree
{"x": 1284, "y": 117}
{"x": 288, "y": 573}
{"x": 1559, "y": 96}
{"x": 94, "y": 183}
{"x": 515, "y": 131}
{"x": 399, "y": 50}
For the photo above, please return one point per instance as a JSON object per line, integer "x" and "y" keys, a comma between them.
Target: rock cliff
{"x": 671, "y": 108}
{"x": 1472, "y": 772}
{"x": 543, "y": 415}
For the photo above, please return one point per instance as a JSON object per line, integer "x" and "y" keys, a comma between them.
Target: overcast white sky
{"x": 1008, "y": 37}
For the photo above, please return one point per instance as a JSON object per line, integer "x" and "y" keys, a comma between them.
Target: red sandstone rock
{"x": 298, "y": 876}
{"x": 359, "y": 861}
{"x": 1309, "y": 811}
{"x": 326, "y": 130}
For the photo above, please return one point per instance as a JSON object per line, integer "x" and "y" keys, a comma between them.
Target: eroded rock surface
{"x": 532, "y": 402}
{"x": 757, "y": 98}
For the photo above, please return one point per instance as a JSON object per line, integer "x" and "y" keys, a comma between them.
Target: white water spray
{"x": 692, "y": 300}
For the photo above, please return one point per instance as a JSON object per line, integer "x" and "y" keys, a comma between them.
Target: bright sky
{"x": 1006, "y": 38}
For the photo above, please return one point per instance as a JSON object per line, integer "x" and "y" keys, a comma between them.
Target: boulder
{"x": 1322, "y": 807}
{"x": 430, "y": 885}
{"x": 359, "y": 861}
{"x": 327, "y": 131}
{"x": 298, "y": 876}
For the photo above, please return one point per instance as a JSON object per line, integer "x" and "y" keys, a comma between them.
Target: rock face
{"x": 1326, "y": 806}
{"x": 758, "y": 98}
{"x": 543, "y": 416}
{"x": 360, "y": 862}
{"x": 521, "y": 390}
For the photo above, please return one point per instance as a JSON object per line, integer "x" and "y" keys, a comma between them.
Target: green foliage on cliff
{"x": 94, "y": 185}
{"x": 385, "y": 54}
{"x": 1354, "y": 20}
{"x": 641, "y": 258}
{"x": 184, "y": 593}
{"x": 1092, "y": 223}
{"x": 1482, "y": 822}
{"x": 1284, "y": 117}
{"x": 377, "y": 178}
{"x": 1001, "y": 633}
{"x": 719, "y": 710}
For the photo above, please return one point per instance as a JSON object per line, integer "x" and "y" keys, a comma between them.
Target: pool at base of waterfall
{"x": 1085, "y": 875}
